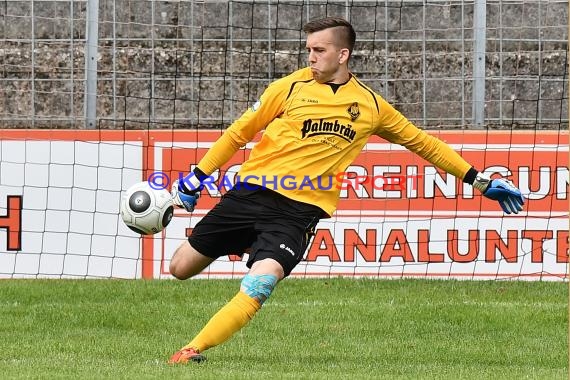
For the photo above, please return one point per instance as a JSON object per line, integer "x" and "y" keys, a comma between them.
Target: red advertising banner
{"x": 397, "y": 209}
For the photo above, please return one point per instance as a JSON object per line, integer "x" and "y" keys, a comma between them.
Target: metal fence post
{"x": 479, "y": 49}
{"x": 91, "y": 45}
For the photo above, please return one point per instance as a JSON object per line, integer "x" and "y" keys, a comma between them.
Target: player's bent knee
{"x": 177, "y": 268}
{"x": 259, "y": 286}
{"x": 176, "y": 271}
{"x": 187, "y": 262}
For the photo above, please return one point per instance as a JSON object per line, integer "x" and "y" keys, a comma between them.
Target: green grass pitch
{"x": 309, "y": 329}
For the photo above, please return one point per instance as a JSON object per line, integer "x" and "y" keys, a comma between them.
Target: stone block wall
{"x": 177, "y": 64}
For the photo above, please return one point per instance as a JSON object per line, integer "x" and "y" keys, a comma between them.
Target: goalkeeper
{"x": 315, "y": 121}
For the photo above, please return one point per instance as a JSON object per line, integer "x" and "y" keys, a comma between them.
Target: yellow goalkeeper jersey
{"x": 313, "y": 132}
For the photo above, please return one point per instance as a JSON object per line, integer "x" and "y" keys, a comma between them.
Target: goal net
{"x": 98, "y": 95}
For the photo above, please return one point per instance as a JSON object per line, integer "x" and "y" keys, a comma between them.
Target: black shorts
{"x": 261, "y": 221}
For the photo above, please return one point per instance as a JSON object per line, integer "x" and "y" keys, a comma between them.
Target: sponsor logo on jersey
{"x": 325, "y": 127}
{"x": 256, "y": 106}
{"x": 353, "y": 111}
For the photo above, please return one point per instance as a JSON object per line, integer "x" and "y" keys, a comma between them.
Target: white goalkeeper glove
{"x": 501, "y": 190}
{"x": 185, "y": 193}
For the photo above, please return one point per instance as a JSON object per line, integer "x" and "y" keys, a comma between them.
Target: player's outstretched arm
{"x": 501, "y": 190}
{"x": 185, "y": 192}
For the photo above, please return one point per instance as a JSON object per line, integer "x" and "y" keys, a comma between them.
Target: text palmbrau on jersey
{"x": 324, "y": 127}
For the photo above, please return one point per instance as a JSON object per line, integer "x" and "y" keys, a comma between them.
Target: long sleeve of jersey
{"x": 244, "y": 129}
{"x": 312, "y": 132}
{"x": 394, "y": 127}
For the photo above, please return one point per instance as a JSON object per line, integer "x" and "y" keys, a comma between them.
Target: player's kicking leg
{"x": 277, "y": 231}
{"x": 255, "y": 288}
{"x": 187, "y": 262}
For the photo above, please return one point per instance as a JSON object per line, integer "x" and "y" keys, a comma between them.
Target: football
{"x": 146, "y": 210}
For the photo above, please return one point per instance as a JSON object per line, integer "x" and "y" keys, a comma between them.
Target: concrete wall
{"x": 202, "y": 63}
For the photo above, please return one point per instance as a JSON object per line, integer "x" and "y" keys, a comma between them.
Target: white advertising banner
{"x": 398, "y": 216}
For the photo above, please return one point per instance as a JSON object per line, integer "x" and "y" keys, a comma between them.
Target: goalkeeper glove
{"x": 501, "y": 190}
{"x": 185, "y": 193}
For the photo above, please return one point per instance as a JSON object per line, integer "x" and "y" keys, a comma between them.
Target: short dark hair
{"x": 347, "y": 36}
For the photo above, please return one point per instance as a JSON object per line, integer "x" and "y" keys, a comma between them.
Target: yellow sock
{"x": 226, "y": 322}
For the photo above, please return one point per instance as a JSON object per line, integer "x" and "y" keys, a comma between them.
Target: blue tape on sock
{"x": 259, "y": 286}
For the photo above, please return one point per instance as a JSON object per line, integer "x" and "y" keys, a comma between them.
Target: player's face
{"x": 327, "y": 60}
